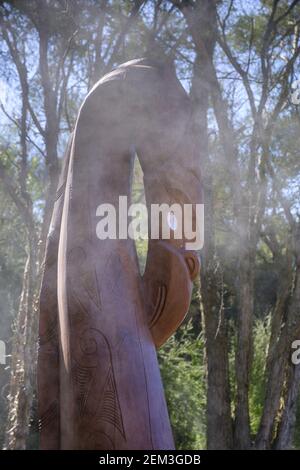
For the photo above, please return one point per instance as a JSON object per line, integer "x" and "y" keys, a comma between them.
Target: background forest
{"x": 228, "y": 374}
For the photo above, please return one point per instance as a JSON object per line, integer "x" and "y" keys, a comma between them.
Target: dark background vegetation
{"x": 227, "y": 372}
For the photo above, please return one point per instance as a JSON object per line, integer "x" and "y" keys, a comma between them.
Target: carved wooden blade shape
{"x": 99, "y": 385}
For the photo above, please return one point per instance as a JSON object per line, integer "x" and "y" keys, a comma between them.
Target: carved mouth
{"x": 159, "y": 304}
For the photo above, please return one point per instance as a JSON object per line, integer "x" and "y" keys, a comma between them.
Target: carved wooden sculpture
{"x": 99, "y": 384}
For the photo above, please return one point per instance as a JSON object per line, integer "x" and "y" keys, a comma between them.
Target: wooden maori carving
{"x": 99, "y": 385}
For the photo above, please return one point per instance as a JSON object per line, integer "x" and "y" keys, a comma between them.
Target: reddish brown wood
{"x": 98, "y": 381}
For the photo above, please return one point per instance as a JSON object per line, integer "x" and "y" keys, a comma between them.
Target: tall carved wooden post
{"x": 99, "y": 384}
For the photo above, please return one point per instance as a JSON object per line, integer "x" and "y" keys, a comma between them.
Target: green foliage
{"x": 261, "y": 336}
{"x": 183, "y": 372}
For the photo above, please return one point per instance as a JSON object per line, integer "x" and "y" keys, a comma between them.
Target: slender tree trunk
{"x": 202, "y": 23}
{"x": 282, "y": 378}
{"x": 23, "y": 359}
{"x": 275, "y": 375}
{"x": 51, "y": 131}
{"x": 286, "y": 430}
{"x": 244, "y": 350}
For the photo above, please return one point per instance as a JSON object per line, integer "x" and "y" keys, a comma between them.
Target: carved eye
{"x": 172, "y": 221}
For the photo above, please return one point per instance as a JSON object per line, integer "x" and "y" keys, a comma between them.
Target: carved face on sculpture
{"x": 171, "y": 268}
